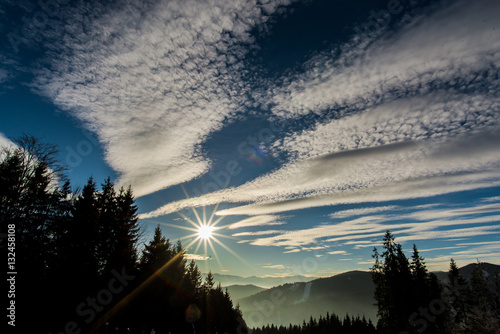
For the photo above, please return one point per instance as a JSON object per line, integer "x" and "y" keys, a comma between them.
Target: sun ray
{"x": 198, "y": 246}
{"x": 225, "y": 236}
{"x": 178, "y": 226}
{"x": 206, "y": 253}
{"x": 191, "y": 243}
{"x": 215, "y": 253}
{"x": 204, "y": 233}
{"x": 188, "y": 236}
{"x": 192, "y": 208}
{"x": 189, "y": 220}
{"x": 217, "y": 221}
{"x": 196, "y": 214}
{"x": 185, "y": 191}
{"x": 232, "y": 252}
{"x": 213, "y": 213}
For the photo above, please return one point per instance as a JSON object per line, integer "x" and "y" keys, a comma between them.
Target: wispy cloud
{"x": 416, "y": 102}
{"x": 154, "y": 80}
{"x": 276, "y": 266}
{"x": 340, "y": 252}
{"x": 408, "y": 113}
{"x": 256, "y": 233}
{"x": 197, "y": 257}
{"x": 361, "y": 232}
{"x": 5, "y": 142}
{"x": 361, "y": 212}
{"x": 434, "y": 49}
{"x": 265, "y": 220}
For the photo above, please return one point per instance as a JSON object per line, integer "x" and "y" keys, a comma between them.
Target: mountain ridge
{"x": 346, "y": 293}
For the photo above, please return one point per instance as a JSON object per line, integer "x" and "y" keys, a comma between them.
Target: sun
{"x": 205, "y": 231}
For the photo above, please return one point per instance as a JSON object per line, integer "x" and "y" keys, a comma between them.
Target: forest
{"x": 77, "y": 258}
{"x": 81, "y": 268}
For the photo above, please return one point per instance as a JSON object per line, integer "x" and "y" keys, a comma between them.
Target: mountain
{"x": 238, "y": 292}
{"x": 489, "y": 271}
{"x": 264, "y": 282}
{"x": 350, "y": 292}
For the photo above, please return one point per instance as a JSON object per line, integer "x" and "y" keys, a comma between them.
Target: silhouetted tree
{"x": 457, "y": 295}
{"x": 403, "y": 291}
{"x": 483, "y": 312}
{"x": 33, "y": 197}
{"x": 70, "y": 245}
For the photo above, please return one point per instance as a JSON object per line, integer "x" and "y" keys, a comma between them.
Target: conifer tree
{"x": 33, "y": 199}
{"x": 483, "y": 313}
{"x": 402, "y": 289}
{"x": 458, "y": 295}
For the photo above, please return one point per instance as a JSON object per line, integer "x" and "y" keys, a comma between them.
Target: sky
{"x": 300, "y": 131}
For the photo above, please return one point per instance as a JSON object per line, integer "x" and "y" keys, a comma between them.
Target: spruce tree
{"x": 483, "y": 313}
{"x": 402, "y": 290}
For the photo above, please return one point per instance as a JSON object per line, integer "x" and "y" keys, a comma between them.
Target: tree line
{"x": 324, "y": 325}
{"x": 80, "y": 265}
{"x": 412, "y": 300}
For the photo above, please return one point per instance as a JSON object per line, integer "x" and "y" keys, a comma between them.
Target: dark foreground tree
{"x": 407, "y": 296}
{"x": 474, "y": 303}
{"x": 34, "y": 200}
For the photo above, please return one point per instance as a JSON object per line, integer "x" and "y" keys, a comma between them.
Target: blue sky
{"x": 303, "y": 129}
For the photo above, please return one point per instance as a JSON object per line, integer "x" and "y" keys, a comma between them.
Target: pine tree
{"x": 193, "y": 280}
{"x": 483, "y": 314}
{"x": 402, "y": 289}
{"x": 33, "y": 191}
{"x": 156, "y": 254}
{"x": 124, "y": 232}
{"x": 457, "y": 295}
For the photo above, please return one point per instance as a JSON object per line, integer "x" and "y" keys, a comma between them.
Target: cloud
{"x": 452, "y": 213}
{"x": 356, "y": 231}
{"x": 276, "y": 266}
{"x": 374, "y": 181}
{"x": 265, "y": 220}
{"x": 296, "y": 250}
{"x": 154, "y": 80}
{"x": 242, "y": 234}
{"x": 8, "y": 67}
{"x": 391, "y": 145}
{"x": 376, "y": 156}
{"x": 431, "y": 51}
{"x": 197, "y": 257}
{"x": 361, "y": 212}
{"x": 338, "y": 253}
{"x": 5, "y": 142}
{"x": 492, "y": 199}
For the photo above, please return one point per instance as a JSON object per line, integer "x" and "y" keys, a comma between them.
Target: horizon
{"x": 340, "y": 273}
{"x": 272, "y": 137}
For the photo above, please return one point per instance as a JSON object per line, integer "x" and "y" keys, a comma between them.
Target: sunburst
{"x": 205, "y": 232}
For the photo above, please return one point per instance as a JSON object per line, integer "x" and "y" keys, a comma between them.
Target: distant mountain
{"x": 238, "y": 292}
{"x": 264, "y": 282}
{"x": 489, "y": 271}
{"x": 350, "y": 292}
